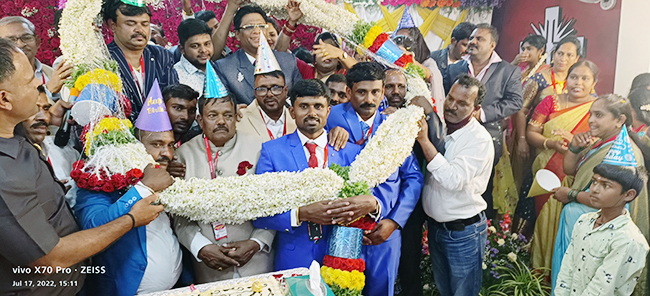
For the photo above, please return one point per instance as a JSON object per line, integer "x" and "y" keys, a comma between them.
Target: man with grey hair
{"x": 23, "y": 33}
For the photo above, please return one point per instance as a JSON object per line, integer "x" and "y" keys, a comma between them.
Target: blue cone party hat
{"x": 266, "y": 62}
{"x": 153, "y": 117}
{"x": 214, "y": 88}
{"x": 406, "y": 21}
{"x": 621, "y": 152}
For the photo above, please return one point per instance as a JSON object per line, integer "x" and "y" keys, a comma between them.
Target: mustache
{"x": 311, "y": 118}
{"x": 220, "y": 127}
{"x": 39, "y": 123}
{"x": 138, "y": 34}
{"x": 450, "y": 111}
{"x": 395, "y": 96}
{"x": 163, "y": 159}
{"x": 367, "y": 105}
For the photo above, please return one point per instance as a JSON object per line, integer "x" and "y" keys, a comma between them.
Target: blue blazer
{"x": 242, "y": 86}
{"x": 401, "y": 192}
{"x": 158, "y": 64}
{"x": 126, "y": 259}
{"x": 293, "y": 248}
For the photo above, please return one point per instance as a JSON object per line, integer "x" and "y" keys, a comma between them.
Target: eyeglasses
{"x": 263, "y": 91}
{"x": 25, "y": 38}
{"x": 252, "y": 27}
{"x": 403, "y": 40}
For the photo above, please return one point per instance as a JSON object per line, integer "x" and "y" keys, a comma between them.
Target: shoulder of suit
{"x": 186, "y": 148}
{"x": 228, "y": 58}
{"x": 248, "y": 140}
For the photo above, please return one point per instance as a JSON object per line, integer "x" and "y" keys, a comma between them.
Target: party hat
{"x": 138, "y": 3}
{"x": 621, "y": 152}
{"x": 544, "y": 182}
{"x": 406, "y": 21}
{"x": 94, "y": 102}
{"x": 266, "y": 61}
{"x": 153, "y": 116}
{"x": 214, "y": 88}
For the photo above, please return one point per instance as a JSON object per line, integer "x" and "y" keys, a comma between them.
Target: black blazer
{"x": 442, "y": 59}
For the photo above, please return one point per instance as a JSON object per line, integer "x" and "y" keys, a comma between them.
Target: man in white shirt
{"x": 196, "y": 46}
{"x": 452, "y": 191}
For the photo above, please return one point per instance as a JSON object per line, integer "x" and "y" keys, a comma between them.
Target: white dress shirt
{"x": 494, "y": 58}
{"x": 454, "y": 182}
{"x": 190, "y": 75}
{"x": 321, "y": 143}
{"x": 275, "y": 126}
{"x": 62, "y": 159}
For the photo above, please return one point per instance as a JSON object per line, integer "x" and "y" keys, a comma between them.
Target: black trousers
{"x": 409, "y": 265}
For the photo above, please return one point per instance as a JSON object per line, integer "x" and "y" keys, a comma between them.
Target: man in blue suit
{"x": 140, "y": 64}
{"x": 303, "y": 232}
{"x": 398, "y": 195}
{"x": 237, "y": 70}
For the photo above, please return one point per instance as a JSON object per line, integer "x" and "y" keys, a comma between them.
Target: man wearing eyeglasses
{"x": 237, "y": 70}
{"x": 23, "y": 33}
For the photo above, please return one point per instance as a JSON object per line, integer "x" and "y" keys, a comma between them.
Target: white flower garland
{"x": 80, "y": 43}
{"x": 237, "y": 199}
{"x": 319, "y": 13}
{"x": 120, "y": 158}
{"x": 387, "y": 150}
{"x": 415, "y": 86}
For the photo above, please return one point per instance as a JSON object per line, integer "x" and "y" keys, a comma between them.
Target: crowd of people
{"x": 308, "y": 109}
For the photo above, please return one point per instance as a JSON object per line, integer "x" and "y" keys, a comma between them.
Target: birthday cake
{"x": 267, "y": 286}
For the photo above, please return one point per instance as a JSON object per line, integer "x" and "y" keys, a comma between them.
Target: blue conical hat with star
{"x": 406, "y": 21}
{"x": 621, "y": 153}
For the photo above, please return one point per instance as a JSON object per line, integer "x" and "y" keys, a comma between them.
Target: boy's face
{"x": 605, "y": 193}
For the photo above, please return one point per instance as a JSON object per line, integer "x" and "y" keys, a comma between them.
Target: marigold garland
{"x": 99, "y": 76}
{"x": 352, "y": 280}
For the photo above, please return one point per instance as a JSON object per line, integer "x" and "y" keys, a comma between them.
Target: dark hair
{"x": 327, "y": 36}
{"x": 111, "y": 7}
{"x": 270, "y": 20}
{"x": 205, "y": 15}
{"x": 309, "y": 88}
{"x": 641, "y": 80}
{"x": 467, "y": 81}
{"x": 180, "y": 91}
{"x": 247, "y": 9}
{"x": 204, "y": 101}
{"x": 492, "y": 29}
{"x": 192, "y": 27}
{"x": 276, "y": 74}
{"x": 303, "y": 54}
{"x": 336, "y": 78}
{"x": 587, "y": 63}
{"x": 7, "y": 67}
{"x": 463, "y": 31}
{"x": 569, "y": 39}
{"x": 640, "y": 101}
{"x": 536, "y": 41}
{"x": 57, "y": 18}
{"x": 159, "y": 27}
{"x": 420, "y": 48}
{"x": 365, "y": 71}
{"x": 628, "y": 177}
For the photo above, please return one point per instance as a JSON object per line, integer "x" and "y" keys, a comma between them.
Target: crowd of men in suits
{"x": 272, "y": 119}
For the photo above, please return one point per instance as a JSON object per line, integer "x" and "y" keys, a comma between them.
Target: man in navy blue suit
{"x": 237, "y": 70}
{"x": 303, "y": 232}
{"x": 140, "y": 64}
{"x": 397, "y": 196}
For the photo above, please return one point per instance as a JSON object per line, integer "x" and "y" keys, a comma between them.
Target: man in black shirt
{"x": 39, "y": 235}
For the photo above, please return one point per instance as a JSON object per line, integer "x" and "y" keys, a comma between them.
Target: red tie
{"x": 313, "y": 161}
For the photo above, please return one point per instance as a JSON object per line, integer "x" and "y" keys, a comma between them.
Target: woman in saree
{"x": 532, "y": 58}
{"x": 608, "y": 115}
{"x": 554, "y": 122}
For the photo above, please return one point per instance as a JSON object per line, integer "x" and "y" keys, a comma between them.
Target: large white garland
{"x": 80, "y": 43}
{"x": 234, "y": 200}
{"x": 318, "y": 13}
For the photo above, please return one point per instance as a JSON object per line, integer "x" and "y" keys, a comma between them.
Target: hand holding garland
{"x": 158, "y": 179}
{"x": 62, "y": 72}
{"x": 380, "y": 233}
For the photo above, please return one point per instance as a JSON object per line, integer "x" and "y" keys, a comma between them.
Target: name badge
{"x": 219, "y": 230}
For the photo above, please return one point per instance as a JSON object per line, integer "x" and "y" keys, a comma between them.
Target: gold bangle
{"x": 545, "y": 147}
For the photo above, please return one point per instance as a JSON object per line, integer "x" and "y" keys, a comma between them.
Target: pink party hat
{"x": 153, "y": 117}
{"x": 266, "y": 61}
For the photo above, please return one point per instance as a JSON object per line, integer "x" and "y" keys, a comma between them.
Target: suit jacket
{"x": 442, "y": 60}
{"x": 126, "y": 259}
{"x": 293, "y": 248}
{"x": 252, "y": 122}
{"x": 401, "y": 192}
{"x": 503, "y": 98}
{"x": 241, "y": 148}
{"x": 158, "y": 64}
{"x": 237, "y": 74}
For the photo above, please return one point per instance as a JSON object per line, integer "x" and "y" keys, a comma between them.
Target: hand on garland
{"x": 381, "y": 233}
{"x": 144, "y": 212}
{"x": 158, "y": 179}
{"x": 349, "y": 209}
{"x": 317, "y": 212}
{"x": 176, "y": 169}
{"x": 58, "y": 77}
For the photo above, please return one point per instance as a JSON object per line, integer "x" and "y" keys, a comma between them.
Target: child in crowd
{"x": 607, "y": 251}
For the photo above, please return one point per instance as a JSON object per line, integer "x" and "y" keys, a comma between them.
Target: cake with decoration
{"x": 267, "y": 286}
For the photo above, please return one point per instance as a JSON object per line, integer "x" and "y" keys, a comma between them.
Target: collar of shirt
{"x": 614, "y": 224}
{"x": 321, "y": 141}
{"x": 251, "y": 58}
{"x": 188, "y": 67}
{"x": 370, "y": 120}
{"x": 494, "y": 58}
{"x": 11, "y": 146}
{"x": 269, "y": 121}
{"x": 459, "y": 133}
{"x": 38, "y": 66}
{"x": 230, "y": 145}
